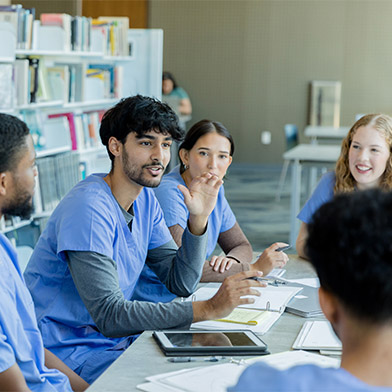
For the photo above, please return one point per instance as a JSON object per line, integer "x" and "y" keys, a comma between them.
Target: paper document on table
{"x": 317, "y": 335}
{"x": 217, "y": 378}
{"x": 261, "y": 327}
{"x": 276, "y": 273}
{"x": 273, "y": 298}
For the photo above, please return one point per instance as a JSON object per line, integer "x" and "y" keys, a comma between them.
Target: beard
{"x": 21, "y": 205}
{"x": 136, "y": 174}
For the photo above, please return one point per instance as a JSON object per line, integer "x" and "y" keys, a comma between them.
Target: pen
{"x": 196, "y": 359}
{"x": 271, "y": 281}
{"x": 281, "y": 249}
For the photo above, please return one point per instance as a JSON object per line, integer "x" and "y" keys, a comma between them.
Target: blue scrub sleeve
{"x": 93, "y": 230}
{"x": 321, "y": 195}
{"x": 7, "y": 356}
{"x": 229, "y": 219}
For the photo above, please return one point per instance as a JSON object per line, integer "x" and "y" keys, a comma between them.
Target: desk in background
{"x": 313, "y": 155}
{"x": 144, "y": 358}
{"x": 329, "y": 133}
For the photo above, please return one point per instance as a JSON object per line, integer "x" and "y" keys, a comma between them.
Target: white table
{"x": 144, "y": 358}
{"x": 313, "y": 155}
{"x": 317, "y": 132}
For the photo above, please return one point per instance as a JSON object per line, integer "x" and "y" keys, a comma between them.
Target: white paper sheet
{"x": 216, "y": 378}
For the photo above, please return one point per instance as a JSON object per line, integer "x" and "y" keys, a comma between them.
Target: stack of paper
{"x": 218, "y": 378}
{"x": 318, "y": 335}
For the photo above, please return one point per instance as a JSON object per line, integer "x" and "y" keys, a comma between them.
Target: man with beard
{"x": 349, "y": 244}
{"x": 88, "y": 260}
{"x": 24, "y": 363}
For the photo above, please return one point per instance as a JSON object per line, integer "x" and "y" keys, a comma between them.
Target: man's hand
{"x": 200, "y": 199}
{"x": 270, "y": 259}
{"x": 230, "y": 295}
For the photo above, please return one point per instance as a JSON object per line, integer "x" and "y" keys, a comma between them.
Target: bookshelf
{"x": 61, "y": 88}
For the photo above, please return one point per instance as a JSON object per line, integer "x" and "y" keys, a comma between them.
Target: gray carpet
{"x": 250, "y": 190}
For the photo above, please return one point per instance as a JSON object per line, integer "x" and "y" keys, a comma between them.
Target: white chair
{"x": 291, "y": 135}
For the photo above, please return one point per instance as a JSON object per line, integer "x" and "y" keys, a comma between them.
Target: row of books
{"x": 77, "y": 131}
{"x": 63, "y": 32}
{"x": 57, "y": 174}
{"x": 83, "y": 128}
{"x": 31, "y": 80}
{"x": 106, "y": 35}
{"x": 20, "y": 20}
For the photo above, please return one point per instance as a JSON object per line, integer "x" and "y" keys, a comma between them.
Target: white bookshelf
{"x": 141, "y": 72}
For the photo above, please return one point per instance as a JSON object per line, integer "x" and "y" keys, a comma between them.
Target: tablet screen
{"x": 226, "y": 339}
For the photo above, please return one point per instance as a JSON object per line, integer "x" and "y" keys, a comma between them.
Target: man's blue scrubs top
{"x": 20, "y": 338}
{"x": 89, "y": 219}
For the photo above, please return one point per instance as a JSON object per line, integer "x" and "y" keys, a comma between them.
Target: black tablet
{"x": 216, "y": 342}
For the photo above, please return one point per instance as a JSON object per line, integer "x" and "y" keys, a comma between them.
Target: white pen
{"x": 196, "y": 359}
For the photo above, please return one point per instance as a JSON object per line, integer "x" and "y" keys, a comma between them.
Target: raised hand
{"x": 200, "y": 199}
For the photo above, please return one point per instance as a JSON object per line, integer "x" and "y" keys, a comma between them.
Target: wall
{"x": 248, "y": 63}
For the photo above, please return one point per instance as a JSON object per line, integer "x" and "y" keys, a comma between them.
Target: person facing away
{"x": 365, "y": 162}
{"x": 209, "y": 147}
{"x": 24, "y": 362}
{"x": 85, "y": 266}
{"x": 175, "y": 95}
{"x": 349, "y": 244}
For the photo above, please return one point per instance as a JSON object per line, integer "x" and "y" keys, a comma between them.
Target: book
{"x": 120, "y": 34}
{"x": 272, "y": 298}
{"x": 55, "y": 32}
{"x": 6, "y": 86}
{"x": 317, "y": 335}
{"x": 58, "y": 80}
{"x": 22, "y": 81}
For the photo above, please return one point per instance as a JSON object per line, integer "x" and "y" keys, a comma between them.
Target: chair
{"x": 291, "y": 135}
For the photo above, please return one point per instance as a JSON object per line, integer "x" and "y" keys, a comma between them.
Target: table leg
{"x": 295, "y": 200}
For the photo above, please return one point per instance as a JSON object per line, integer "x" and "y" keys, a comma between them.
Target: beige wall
{"x": 248, "y": 63}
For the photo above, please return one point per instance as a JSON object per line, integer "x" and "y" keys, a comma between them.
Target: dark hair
{"x": 169, "y": 76}
{"x": 349, "y": 244}
{"x": 138, "y": 114}
{"x": 200, "y": 129}
{"x": 13, "y": 134}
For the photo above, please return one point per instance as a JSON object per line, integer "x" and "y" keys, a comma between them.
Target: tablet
{"x": 216, "y": 342}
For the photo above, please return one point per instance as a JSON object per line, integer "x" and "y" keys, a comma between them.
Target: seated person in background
{"x": 349, "y": 244}
{"x": 175, "y": 96}
{"x": 24, "y": 362}
{"x": 88, "y": 259}
{"x": 365, "y": 162}
{"x": 209, "y": 147}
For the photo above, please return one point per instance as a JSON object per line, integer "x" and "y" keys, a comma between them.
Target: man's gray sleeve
{"x": 95, "y": 277}
{"x": 181, "y": 270}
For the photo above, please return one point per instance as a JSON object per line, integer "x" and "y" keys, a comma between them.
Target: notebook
{"x": 305, "y": 303}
